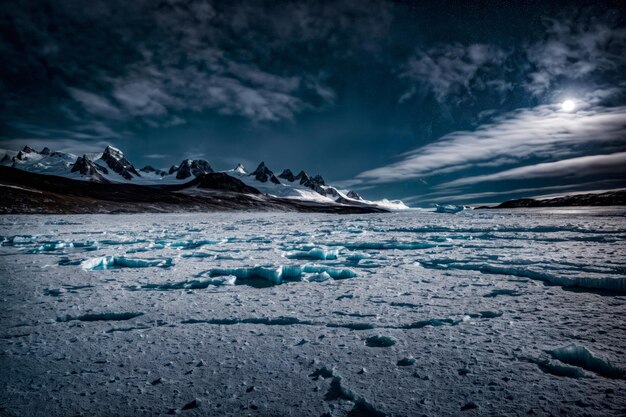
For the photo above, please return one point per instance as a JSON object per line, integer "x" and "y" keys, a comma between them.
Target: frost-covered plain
{"x": 404, "y": 314}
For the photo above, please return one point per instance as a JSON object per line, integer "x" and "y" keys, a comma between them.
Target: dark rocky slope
{"x": 611, "y": 198}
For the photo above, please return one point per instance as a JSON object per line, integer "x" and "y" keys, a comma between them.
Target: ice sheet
{"x": 412, "y": 313}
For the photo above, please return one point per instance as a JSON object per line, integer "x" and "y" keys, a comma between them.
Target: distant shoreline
{"x": 610, "y": 198}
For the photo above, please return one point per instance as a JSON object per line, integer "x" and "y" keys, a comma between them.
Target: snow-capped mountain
{"x": 305, "y": 187}
{"x": 190, "y": 167}
{"x": 111, "y": 166}
{"x": 87, "y": 168}
{"x": 148, "y": 169}
{"x": 114, "y": 159}
{"x": 44, "y": 162}
{"x": 264, "y": 174}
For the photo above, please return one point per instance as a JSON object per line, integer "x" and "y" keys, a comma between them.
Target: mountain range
{"x": 108, "y": 181}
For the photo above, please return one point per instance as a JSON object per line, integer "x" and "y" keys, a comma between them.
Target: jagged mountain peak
{"x": 28, "y": 149}
{"x": 148, "y": 169}
{"x": 240, "y": 169}
{"x": 189, "y": 167}
{"x": 86, "y": 167}
{"x": 316, "y": 180}
{"x": 264, "y": 174}
{"x": 302, "y": 177}
{"x": 113, "y": 151}
{"x": 261, "y": 168}
{"x": 288, "y": 175}
{"x": 354, "y": 195}
{"x": 115, "y": 159}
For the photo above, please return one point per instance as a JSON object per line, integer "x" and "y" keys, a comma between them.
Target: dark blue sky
{"x": 424, "y": 101}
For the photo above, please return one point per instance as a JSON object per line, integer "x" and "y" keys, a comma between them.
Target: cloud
{"x": 454, "y": 69}
{"x": 89, "y": 130}
{"x": 449, "y": 195}
{"x": 153, "y": 92}
{"x": 543, "y": 132}
{"x": 574, "y": 49}
{"x": 584, "y": 166}
{"x": 166, "y": 59}
{"x": 94, "y": 103}
{"x": 63, "y": 145}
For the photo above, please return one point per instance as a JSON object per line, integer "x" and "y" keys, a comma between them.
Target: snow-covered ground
{"x": 404, "y": 314}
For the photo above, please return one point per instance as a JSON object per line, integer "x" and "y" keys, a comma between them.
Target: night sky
{"x": 459, "y": 102}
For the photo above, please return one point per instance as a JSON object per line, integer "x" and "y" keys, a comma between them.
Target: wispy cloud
{"x": 152, "y": 92}
{"x": 574, "y": 49}
{"x": 455, "y": 70}
{"x": 571, "y": 48}
{"x": 584, "y": 166}
{"x": 60, "y": 144}
{"x": 544, "y": 133}
{"x": 451, "y": 195}
{"x": 95, "y": 103}
{"x": 83, "y": 130}
{"x": 169, "y": 59}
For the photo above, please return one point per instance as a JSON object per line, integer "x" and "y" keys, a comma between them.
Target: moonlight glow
{"x": 568, "y": 105}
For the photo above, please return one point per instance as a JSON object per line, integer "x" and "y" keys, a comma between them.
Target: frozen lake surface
{"x": 478, "y": 313}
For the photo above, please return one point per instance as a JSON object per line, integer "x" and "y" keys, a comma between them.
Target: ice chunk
{"x": 112, "y": 262}
{"x": 617, "y": 284}
{"x": 17, "y": 240}
{"x": 379, "y": 341}
{"x": 188, "y": 244}
{"x": 121, "y": 241}
{"x": 50, "y": 247}
{"x": 323, "y": 372}
{"x": 55, "y": 246}
{"x": 580, "y": 356}
{"x": 198, "y": 254}
{"x": 558, "y": 369}
{"x": 335, "y": 273}
{"x": 101, "y": 317}
{"x": 356, "y": 256}
{"x": 150, "y": 247}
{"x": 388, "y": 245}
{"x": 406, "y": 361}
{"x": 448, "y": 208}
{"x": 273, "y": 275}
{"x": 190, "y": 284}
{"x": 292, "y": 272}
{"x": 276, "y": 275}
{"x": 267, "y": 321}
{"x": 318, "y": 277}
{"x": 314, "y": 253}
{"x": 353, "y": 326}
{"x": 65, "y": 261}
{"x": 430, "y": 322}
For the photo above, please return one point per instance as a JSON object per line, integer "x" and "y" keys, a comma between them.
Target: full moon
{"x": 568, "y": 105}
